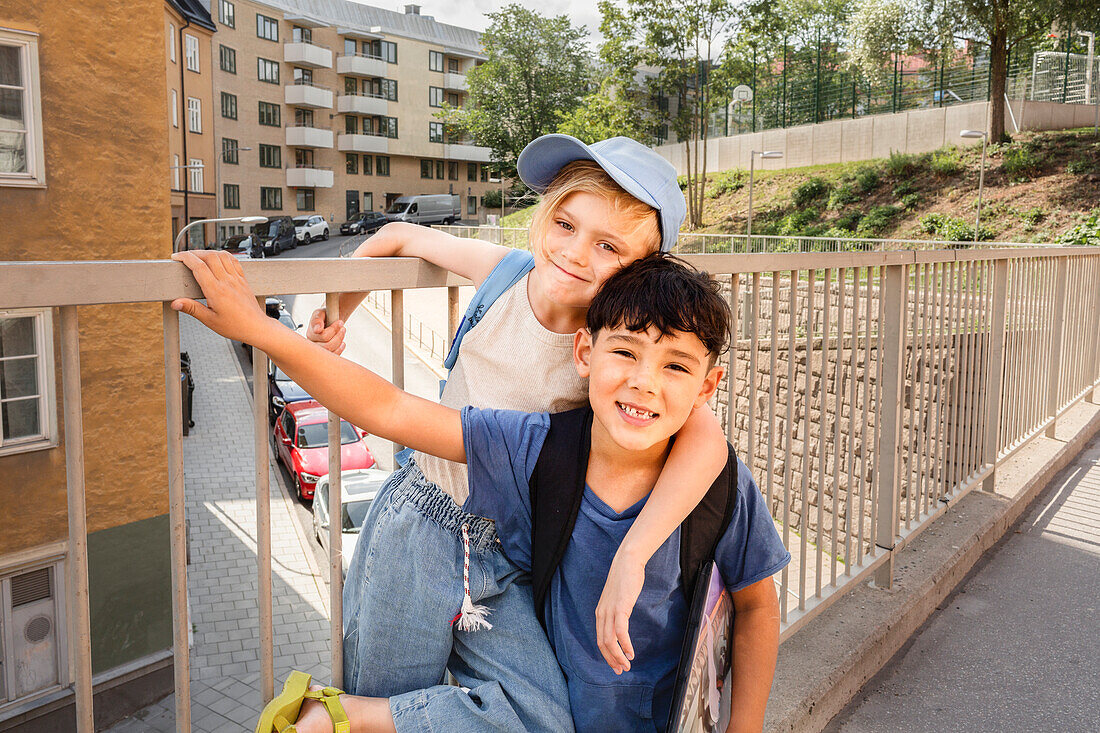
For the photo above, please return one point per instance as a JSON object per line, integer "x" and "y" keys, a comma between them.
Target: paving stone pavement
{"x": 219, "y": 470}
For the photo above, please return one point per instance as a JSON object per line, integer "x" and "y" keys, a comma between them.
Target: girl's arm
{"x": 469, "y": 258}
{"x": 697, "y": 457}
{"x": 755, "y": 648}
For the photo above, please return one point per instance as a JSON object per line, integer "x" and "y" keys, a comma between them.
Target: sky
{"x": 471, "y": 13}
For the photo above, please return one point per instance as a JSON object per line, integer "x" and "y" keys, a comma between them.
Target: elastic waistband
{"x": 413, "y": 487}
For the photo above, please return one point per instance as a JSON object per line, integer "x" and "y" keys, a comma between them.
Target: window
{"x": 435, "y": 132}
{"x": 174, "y": 109}
{"x": 271, "y": 156}
{"x": 435, "y": 61}
{"x": 194, "y": 114}
{"x": 267, "y": 28}
{"x": 350, "y": 47}
{"x": 452, "y": 66}
{"x": 425, "y": 169}
{"x": 231, "y": 193}
{"x": 351, "y": 125}
{"x": 439, "y": 169}
{"x": 388, "y": 51}
{"x": 191, "y": 50}
{"x": 305, "y": 199}
{"x": 387, "y": 126}
{"x": 382, "y": 165}
{"x": 471, "y": 171}
{"x": 453, "y": 99}
{"x": 351, "y": 162}
{"x": 368, "y": 201}
{"x": 195, "y": 171}
{"x": 27, "y": 407}
{"x": 228, "y": 57}
{"x": 350, "y": 85}
{"x": 471, "y": 205}
{"x": 387, "y": 89}
{"x": 172, "y": 43}
{"x": 271, "y": 198}
{"x": 229, "y": 151}
{"x": 303, "y": 158}
{"x": 267, "y": 70}
{"x": 227, "y": 14}
{"x": 366, "y": 165}
{"x": 229, "y": 106}
{"x": 176, "y": 172}
{"x": 435, "y": 97}
{"x": 31, "y": 616}
{"x": 303, "y": 117}
{"x": 452, "y": 171}
{"x": 269, "y": 114}
{"x": 303, "y": 76}
{"x": 22, "y": 160}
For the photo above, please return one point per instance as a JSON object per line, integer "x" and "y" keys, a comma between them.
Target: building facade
{"x": 82, "y": 176}
{"x": 327, "y": 107}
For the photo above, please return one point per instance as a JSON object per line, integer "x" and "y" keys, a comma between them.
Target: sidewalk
{"x": 219, "y": 472}
{"x": 1015, "y": 648}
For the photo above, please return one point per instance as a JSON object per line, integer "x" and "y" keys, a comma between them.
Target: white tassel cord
{"x": 472, "y": 616}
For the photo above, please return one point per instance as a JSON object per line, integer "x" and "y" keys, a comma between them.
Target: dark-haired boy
{"x": 653, "y": 337}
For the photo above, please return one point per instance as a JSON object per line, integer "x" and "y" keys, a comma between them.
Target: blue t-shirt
{"x": 502, "y": 447}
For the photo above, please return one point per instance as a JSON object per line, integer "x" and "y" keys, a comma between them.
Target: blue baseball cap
{"x": 641, "y": 172}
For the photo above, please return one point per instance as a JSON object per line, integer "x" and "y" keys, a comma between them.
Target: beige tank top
{"x": 507, "y": 361}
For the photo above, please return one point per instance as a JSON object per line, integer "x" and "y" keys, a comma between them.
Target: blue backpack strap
{"x": 507, "y": 273}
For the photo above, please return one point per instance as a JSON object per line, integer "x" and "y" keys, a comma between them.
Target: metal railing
{"x": 866, "y": 392}
{"x": 426, "y": 339}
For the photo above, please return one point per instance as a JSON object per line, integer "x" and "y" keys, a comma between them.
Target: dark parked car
{"x": 282, "y": 390}
{"x": 276, "y": 235}
{"x": 365, "y": 222}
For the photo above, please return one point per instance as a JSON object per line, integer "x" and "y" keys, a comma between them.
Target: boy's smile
{"x": 643, "y": 386}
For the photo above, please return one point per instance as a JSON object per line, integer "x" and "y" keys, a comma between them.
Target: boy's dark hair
{"x": 663, "y": 292}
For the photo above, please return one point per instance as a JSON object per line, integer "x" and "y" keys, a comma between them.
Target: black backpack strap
{"x": 556, "y": 489}
{"x": 700, "y": 532}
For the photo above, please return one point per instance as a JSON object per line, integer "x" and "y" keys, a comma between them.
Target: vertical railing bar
{"x": 893, "y": 292}
{"x": 937, "y": 454}
{"x": 853, "y": 379}
{"x": 960, "y": 379}
{"x": 1034, "y": 344}
{"x": 866, "y": 486}
{"x": 908, "y": 408}
{"x": 876, "y": 488}
{"x": 731, "y": 357}
{"x": 922, "y": 417}
{"x": 1009, "y": 393}
{"x": 176, "y": 518}
{"x": 996, "y": 361}
{"x": 803, "y": 536}
{"x": 1048, "y": 337}
{"x": 263, "y": 520}
{"x": 754, "y": 344}
{"x": 1057, "y": 335}
{"x": 788, "y": 469}
{"x": 397, "y": 344}
{"x": 823, "y": 405}
{"x": 1094, "y": 369}
{"x": 982, "y": 378}
{"x": 773, "y": 398}
{"x": 335, "y": 525}
{"x": 452, "y": 313}
{"x": 838, "y": 402}
{"x": 968, "y": 384}
{"x": 973, "y": 408}
{"x": 927, "y": 423}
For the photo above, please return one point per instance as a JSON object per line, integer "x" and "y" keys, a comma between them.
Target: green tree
{"x": 535, "y": 73}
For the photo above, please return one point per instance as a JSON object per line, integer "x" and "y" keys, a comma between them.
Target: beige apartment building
{"x": 188, "y": 30}
{"x": 327, "y": 107}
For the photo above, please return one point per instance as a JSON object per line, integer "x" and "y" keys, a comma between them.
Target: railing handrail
{"x": 363, "y": 55}
{"x": 314, "y": 125}
{"x": 304, "y": 83}
{"x": 373, "y": 95}
{"x": 370, "y": 133}
{"x": 307, "y": 42}
{"x": 301, "y": 166}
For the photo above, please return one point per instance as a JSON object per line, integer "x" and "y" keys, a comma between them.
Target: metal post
{"x": 263, "y": 521}
{"x": 752, "y": 166}
{"x": 890, "y": 394}
{"x": 452, "y": 312}
{"x": 981, "y": 183}
{"x": 176, "y": 518}
{"x": 1058, "y": 318}
{"x": 397, "y": 344}
{"x": 1065, "y": 70}
{"x": 731, "y": 359}
{"x": 80, "y": 641}
{"x": 335, "y": 522}
{"x": 995, "y": 382}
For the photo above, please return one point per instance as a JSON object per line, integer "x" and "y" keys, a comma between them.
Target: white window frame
{"x": 175, "y": 109}
{"x": 196, "y": 175}
{"x": 27, "y": 45}
{"x": 191, "y": 51}
{"x": 227, "y": 14}
{"x": 47, "y": 398}
{"x": 176, "y": 172}
{"x": 172, "y": 42}
{"x": 194, "y": 114}
{"x": 43, "y": 556}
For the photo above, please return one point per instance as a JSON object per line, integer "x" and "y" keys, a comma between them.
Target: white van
{"x": 440, "y": 208}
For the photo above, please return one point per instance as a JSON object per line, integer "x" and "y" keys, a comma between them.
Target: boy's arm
{"x": 697, "y": 457}
{"x": 470, "y": 258}
{"x": 755, "y": 648}
{"x": 354, "y": 393}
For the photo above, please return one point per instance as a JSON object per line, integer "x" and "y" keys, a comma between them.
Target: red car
{"x": 301, "y": 444}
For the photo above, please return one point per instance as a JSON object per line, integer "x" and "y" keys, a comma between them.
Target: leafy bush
{"x": 682, "y": 182}
{"x": 901, "y": 165}
{"x": 849, "y": 221}
{"x": 1033, "y": 215}
{"x": 796, "y": 222}
{"x": 842, "y": 195}
{"x": 809, "y": 191}
{"x": 1079, "y": 166}
{"x": 1021, "y": 162}
{"x": 910, "y": 201}
{"x": 867, "y": 179}
{"x": 952, "y": 229}
{"x": 903, "y": 188}
{"x": 946, "y": 163}
{"x": 837, "y": 232}
{"x": 931, "y": 223}
{"x": 876, "y": 221}
{"x": 1087, "y": 231}
{"x": 725, "y": 182}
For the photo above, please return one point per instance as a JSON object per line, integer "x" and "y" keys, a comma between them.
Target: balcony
{"x": 467, "y": 152}
{"x": 362, "y": 143}
{"x": 308, "y": 177}
{"x": 362, "y": 104}
{"x": 454, "y": 82}
{"x": 304, "y": 94}
{"x": 308, "y": 136}
{"x": 304, "y": 53}
{"x": 361, "y": 65}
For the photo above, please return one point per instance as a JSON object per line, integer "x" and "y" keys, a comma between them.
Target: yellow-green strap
{"x": 330, "y": 698}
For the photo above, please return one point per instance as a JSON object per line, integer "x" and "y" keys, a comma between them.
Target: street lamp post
{"x": 752, "y": 166}
{"x": 1089, "y": 80}
{"x": 241, "y": 219}
{"x": 974, "y": 134}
